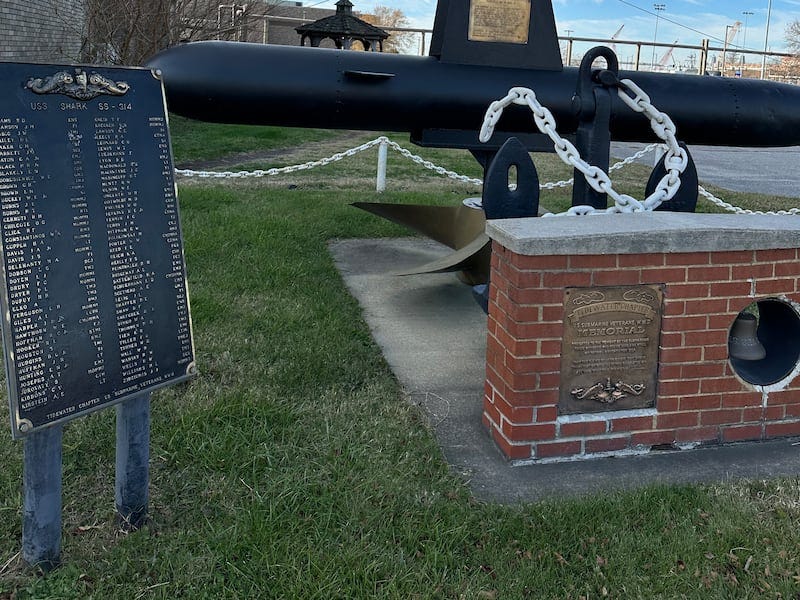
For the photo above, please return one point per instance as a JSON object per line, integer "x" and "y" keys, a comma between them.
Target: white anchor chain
{"x": 615, "y": 167}
{"x": 429, "y": 165}
{"x": 676, "y": 158}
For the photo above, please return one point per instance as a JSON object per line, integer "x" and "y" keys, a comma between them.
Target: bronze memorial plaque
{"x": 499, "y": 21}
{"x": 609, "y": 353}
{"x": 92, "y": 277}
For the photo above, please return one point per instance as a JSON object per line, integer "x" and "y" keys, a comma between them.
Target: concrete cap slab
{"x": 645, "y": 232}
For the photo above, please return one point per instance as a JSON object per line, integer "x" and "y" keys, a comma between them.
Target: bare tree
{"x": 789, "y": 67}
{"x": 124, "y": 31}
{"x": 127, "y": 32}
{"x": 786, "y": 69}
{"x": 793, "y": 36}
{"x": 383, "y": 16}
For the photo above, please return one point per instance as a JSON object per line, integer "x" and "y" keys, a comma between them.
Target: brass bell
{"x": 743, "y": 342}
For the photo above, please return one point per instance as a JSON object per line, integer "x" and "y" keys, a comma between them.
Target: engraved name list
{"x": 94, "y": 288}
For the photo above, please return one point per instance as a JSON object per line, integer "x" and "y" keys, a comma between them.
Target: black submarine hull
{"x": 234, "y": 82}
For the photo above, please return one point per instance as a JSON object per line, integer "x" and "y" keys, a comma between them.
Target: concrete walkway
{"x": 433, "y": 336}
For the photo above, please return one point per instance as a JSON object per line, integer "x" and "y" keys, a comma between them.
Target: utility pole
{"x": 659, "y": 8}
{"x": 746, "y": 13}
{"x": 766, "y": 42}
{"x": 725, "y": 48}
{"x": 568, "y": 58}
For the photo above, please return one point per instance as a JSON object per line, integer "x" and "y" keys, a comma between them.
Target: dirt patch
{"x": 302, "y": 153}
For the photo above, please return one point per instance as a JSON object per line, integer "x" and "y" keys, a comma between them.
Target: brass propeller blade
{"x": 458, "y": 227}
{"x": 453, "y": 226}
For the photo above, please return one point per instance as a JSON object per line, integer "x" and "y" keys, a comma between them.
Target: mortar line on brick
{"x": 581, "y": 457}
{"x": 609, "y": 435}
{"x": 607, "y": 415}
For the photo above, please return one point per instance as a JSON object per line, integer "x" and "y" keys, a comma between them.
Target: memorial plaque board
{"x": 499, "y": 21}
{"x": 93, "y": 291}
{"x": 609, "y": 352}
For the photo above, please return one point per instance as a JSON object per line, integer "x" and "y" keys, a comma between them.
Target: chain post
{"x": 383, "y": 151}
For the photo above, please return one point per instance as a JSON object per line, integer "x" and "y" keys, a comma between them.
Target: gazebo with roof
{"x": 343, "y": 28}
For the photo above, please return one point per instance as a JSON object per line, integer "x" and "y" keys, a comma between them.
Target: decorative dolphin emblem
{"x": 80, "y": 85}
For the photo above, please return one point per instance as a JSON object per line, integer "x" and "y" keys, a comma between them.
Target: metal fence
{"x": 634, "y": 55}
{"x": 705, "y": 59}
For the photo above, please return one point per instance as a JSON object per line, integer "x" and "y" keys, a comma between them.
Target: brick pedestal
{"x": 711, "y": 267}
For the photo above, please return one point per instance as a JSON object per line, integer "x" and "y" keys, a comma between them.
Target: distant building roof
{"x": 343, "y": 28}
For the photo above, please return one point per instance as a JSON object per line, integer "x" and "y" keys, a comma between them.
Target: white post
{"x": 658, "y": 154}
{"x": 383, "y": 151}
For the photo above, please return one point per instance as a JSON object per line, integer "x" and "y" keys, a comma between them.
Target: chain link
{"x": 678, "y": 162}
{"x": 282, "y": 170}
{"x": 326, "y": 161}
{"x": 633, "y": 96}
{"x": 429, "y": 165}
{"x": 744, "y": 211}
{"x": 715, "y": 200}
{"x": 394, "y": 145}
{"x": 615, "y": 167}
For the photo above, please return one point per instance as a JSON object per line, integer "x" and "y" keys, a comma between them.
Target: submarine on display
{"x": 474, "y": 59}
{"x": 480, "y": 49}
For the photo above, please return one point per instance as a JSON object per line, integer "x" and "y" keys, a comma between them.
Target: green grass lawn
{"x": 194, "y": 140}
{"x": 293, "y": 467}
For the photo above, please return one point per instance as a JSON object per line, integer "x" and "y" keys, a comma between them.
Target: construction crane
{"x": 667, "y": 56}
{"x": 730, "y": 35}
{"x": 731, "y": 32}
{"x": 615, "y": 36}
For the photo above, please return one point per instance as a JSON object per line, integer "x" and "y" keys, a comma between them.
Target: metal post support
{"x": 41, "y": 483}
{"x": 592, "y": 140}
{"x": 592, "y": 102}
{"x": 703, "y": 57}
{"x": 133, "y": 461}
{"x": 383, "y": 149}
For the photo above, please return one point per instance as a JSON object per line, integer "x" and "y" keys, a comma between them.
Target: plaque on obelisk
{"x": 518, "y": 34}
{"x": 499, "y": 21}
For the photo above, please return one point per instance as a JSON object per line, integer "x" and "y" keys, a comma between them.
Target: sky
{"x": 684, "y": 21}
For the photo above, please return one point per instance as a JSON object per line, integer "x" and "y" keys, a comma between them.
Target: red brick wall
{"x": 700, "y": 399}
